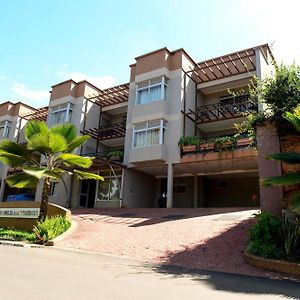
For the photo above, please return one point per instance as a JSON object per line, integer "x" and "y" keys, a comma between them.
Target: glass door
{"x": 84, "y": 193}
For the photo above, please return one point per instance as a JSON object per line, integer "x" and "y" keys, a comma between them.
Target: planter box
{"x": 207, "y": 146}
{"x": 244, "y": 142}
{"x": 115, "y": 158}
{"x": 189, "y": 148}
{"x": 272, "y": 264}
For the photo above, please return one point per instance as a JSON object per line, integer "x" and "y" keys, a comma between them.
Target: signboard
{"x": 12, "y": 212}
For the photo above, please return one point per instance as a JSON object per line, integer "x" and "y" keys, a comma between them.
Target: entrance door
{"x": 87, "y": 193}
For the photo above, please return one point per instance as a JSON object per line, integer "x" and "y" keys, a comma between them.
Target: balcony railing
{"x": 112, "y": 131}
{"x": 226, "y": 109}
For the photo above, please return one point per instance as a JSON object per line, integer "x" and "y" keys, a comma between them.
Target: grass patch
{"x": 17, "y": 235}
{"x": 41, "y": 233}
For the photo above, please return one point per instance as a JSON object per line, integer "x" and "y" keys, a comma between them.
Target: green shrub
{"x": 265, "y": 237}
{"x": 115, "y": 153}
{"x": 17, "y": 235}
{"x": 291, "y": 237}
{"x": 51, "y": 228}
{"x": 225, "y": 143}
{"x": 274, "y": 237}
{"x": 189, "y": 141}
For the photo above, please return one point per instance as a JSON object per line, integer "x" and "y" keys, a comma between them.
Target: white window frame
{"x": 58, "y": 109}
{"x": 162, "y": 84}
{"x": 162, "y": 129}
{"x": 7, "y": 126}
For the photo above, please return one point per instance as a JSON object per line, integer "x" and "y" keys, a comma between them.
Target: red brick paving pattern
{"x": 211, "y": 239}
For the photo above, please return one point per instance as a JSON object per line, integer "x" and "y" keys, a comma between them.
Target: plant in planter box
{"x": 207, "y": 145}
{"x": 189, "y": 143}
{"x": 225, "y": 143}
{"x": 115, "y": 155}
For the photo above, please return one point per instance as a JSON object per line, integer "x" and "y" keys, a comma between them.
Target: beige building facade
{"x": 135, "y": 129}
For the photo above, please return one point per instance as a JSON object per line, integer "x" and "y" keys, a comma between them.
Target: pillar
{"x": 2, "y": 187}
{"x": 268, "y": 143}
{"x": 170, "y": 186}
{"x": 195, "y": 191}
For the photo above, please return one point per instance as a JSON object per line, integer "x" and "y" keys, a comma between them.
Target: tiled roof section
{"x": 227, "y": 65}
{"x": 113, "y": 95}
{"x": 40, "y": 114}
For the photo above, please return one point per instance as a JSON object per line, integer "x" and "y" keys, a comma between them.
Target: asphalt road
{"x": 47, "y": 273}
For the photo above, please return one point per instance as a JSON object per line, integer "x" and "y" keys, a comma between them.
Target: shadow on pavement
{"x": 235, "y": 283}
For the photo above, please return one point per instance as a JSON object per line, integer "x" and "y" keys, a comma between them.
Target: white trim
{"x": 58, "y": 109}
{"x": 148, "y": 128}
{"x": 6, "y": 126}
{"x": 162, "y": 84}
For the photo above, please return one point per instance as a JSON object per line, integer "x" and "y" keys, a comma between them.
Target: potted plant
{"x": 208, "y": 145}
{"x": 225, "y": 143}
{"x": 115, "y": 155}
{"x": 189, "y": 143}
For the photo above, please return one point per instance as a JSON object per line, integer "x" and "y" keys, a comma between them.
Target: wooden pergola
{"x": 232, "y": 64}
{"x": 112, "y": 96}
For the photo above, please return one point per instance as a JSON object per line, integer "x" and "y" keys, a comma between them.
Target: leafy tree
{"x": 290, "y": 158}
{"x": 281, "y": 92}
{"x": 55, "y": 147}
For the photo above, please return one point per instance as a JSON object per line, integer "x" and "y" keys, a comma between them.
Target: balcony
{"x": 221, "y": 148}
{"x": 227, "y": 108}
{"x": 108, "y": 132}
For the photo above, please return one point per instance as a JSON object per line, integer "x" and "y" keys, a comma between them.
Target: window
{"x": 4, "y": 129}
{"x": 109, "y": 189}
{"x": 149, "y": 133}
{"x": 151, "y": 90}
{"x": 52, "y": 188}
{"x": 61, "y": 114}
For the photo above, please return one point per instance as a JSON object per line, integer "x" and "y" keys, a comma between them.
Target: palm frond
{"x": 13, "y": 154}
{"x": 287, "y": 179}
{"x": 41, "y": 172}
{"x": 294, "y": 118}
{"x": 287, "y": 157}
{"x": 57, "y": 143}
{"x": 71, "y": 160}
{"x": 87, "y": 175}
{"x": 22, "y": 180}
{"x": 47, "y": 143}
{"x": 77, "y": 142}
{"x": 68, "y": 131}
{"x": 35, "y": 127}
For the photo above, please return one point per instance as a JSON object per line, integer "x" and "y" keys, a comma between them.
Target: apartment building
{"x": 169, "y": 95}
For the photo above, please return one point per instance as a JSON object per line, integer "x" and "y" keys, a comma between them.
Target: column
{"x": 170, "y": 186}
{"x": 195, "y": 191}
{"x": 2, "y": 187}
{"x": 268, "y": 143}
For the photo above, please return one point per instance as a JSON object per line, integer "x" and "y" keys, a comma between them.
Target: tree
{"x": 47, "y": 155}
{"x": 290, "y": 158}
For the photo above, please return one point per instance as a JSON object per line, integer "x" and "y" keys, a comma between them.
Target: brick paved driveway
{"x": 202, "y": 238}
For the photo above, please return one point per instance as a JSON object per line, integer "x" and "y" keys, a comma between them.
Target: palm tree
{"x": 47, "y": 155}
{"x": 290, "y": 158}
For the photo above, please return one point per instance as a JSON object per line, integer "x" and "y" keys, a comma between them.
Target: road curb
{"x": 19, "y": 244}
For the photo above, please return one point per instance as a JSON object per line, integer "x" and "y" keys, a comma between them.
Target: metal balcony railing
{"x": 228, "y": 108}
